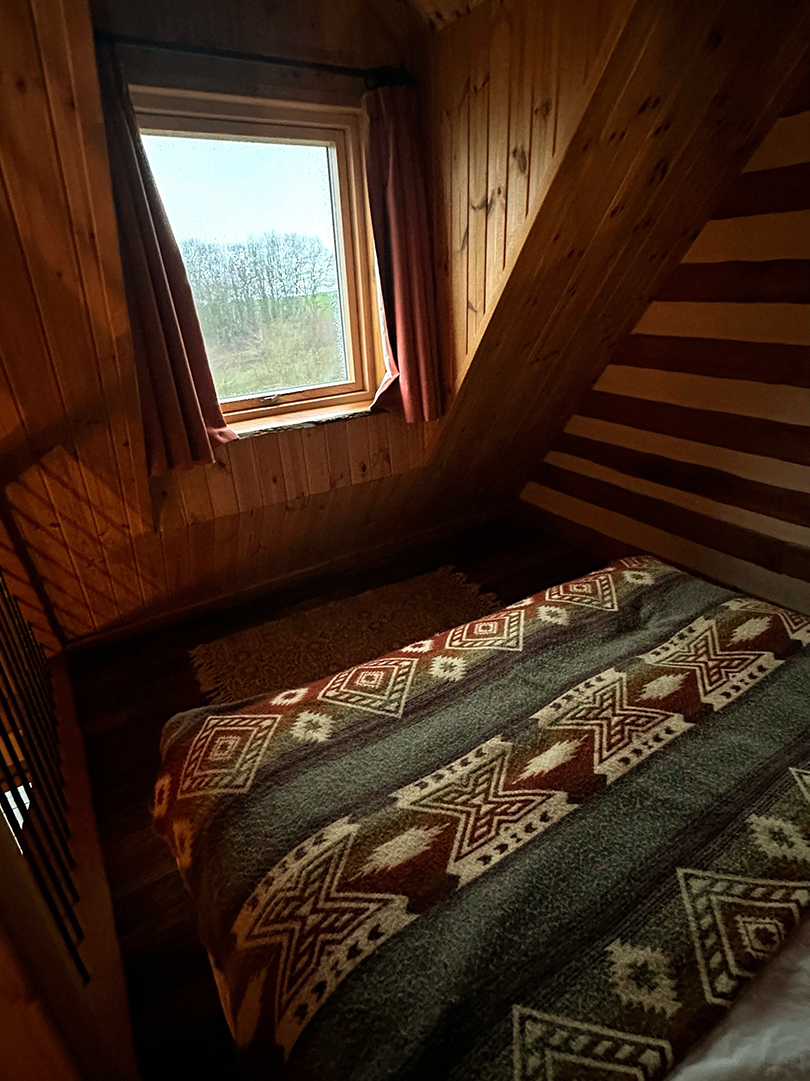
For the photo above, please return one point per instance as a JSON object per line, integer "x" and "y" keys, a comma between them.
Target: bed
{"x": 554, "y": 843}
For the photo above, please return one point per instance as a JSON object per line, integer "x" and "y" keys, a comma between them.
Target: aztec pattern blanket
{"x": 552, "y": 843}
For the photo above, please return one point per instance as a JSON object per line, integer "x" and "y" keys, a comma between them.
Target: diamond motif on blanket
{"x": 593, "y": 591}
{"x": 547, "y": 1047}
{"x": 735, "y": 922}
{"x": 377, "y": 687}
{"x": 779, "y": 838}
{"x": 796, "y": 624}
{"x": 642, "y": 977}
{"x": 501, "y": 631}
{"x": 226, "y": 753}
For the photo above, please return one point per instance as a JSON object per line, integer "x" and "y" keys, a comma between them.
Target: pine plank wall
{"x": 78, "y": 513}
{"x": 79, "y": 517}
{"x": 694, "y": 443}
{"x": 510, "y": 84}
{"x": 540, "y": 131}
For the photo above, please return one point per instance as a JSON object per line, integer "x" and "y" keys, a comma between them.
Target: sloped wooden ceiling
{"x": 688, "y": 92}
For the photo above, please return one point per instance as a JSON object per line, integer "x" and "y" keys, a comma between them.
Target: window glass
{"x": 256, "y": 224}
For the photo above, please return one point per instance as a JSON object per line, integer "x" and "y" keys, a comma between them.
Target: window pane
{"x": 255, "y": 224}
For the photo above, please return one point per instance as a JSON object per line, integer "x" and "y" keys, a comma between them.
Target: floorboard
{"x": 125, "y": 693}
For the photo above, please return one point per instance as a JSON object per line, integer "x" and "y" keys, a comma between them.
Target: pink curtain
{"x": 182, "y": 418}
{"x": 398, "y": 198}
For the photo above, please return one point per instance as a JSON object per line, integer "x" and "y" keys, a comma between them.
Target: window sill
{"x": 302, "y": 418}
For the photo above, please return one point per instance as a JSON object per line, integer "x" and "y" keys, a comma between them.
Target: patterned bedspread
{"x": 552, "y": 843}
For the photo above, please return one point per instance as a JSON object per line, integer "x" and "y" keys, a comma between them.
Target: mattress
{"x": 554, "y": 843}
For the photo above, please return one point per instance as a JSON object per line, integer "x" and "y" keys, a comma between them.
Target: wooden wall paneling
{"x": 437, "y": 110}
{"x": 455, "y": 55}
{"x": 227, "y": 520}
{"x": 337, "y": 448}
{"x": 476, "y": 406}
{"x": 192, "y": 487}
{"x": 269, "y": 468}
{"x": 269, "y": 541}
{"x": 47, "y": 231}
{"x": 415, "y": 445}
{"x": 32, "y": 420}
{"x": 359, "y": 450}
{"x": 316, "y": 458}
{"x": 314, "y": 546}
{"x": 479, "y": 156}
{"x": 242, "y": 464}
{"x": 19, "y": 583}
{"x": 608, "y": 223}
{"x": 522, "y": 17}
{"x": 293, "y": 464}
{"x": 379, "y": 452}
{"x": 501, "y": 35}
{"x": 728, "y": 128}
{"x": 121, "y": 491}
{"x": 548, "y": 93}
{"x": 64, "y": 479}
{"x": 399, "y": 437}
{"x": 37, "y": 521}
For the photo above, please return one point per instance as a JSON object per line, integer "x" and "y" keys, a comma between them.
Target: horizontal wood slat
{"x": 782, "y": 503}
{"x": 785, "y": 281}
{"x": 781, "y": 557}
{"x": 753, "y": 435}
{"x": 769, "y": 191}
{"x": 759, "y": 362}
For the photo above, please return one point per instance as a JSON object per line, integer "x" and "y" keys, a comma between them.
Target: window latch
{"x": 268, "y": 399}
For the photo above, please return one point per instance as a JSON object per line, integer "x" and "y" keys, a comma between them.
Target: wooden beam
{"x": 759, "y": 362}
{"x": 779, "y": 281}
{"x": 768, "y": 191}
{"x": 783, "y": 503}
{"x": 779, "y": 556}
{"x": 753, "y": 435}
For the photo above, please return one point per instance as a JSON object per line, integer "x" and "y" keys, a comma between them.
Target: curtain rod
{"x": 373, "y": 77}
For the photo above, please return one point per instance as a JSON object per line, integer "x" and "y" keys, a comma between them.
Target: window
{"x": 267, "y": 202}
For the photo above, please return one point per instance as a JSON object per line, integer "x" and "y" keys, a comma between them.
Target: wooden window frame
{"x": 341, "y": 129}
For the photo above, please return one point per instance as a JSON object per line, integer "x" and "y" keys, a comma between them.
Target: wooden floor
{"x": 127, "y": 691}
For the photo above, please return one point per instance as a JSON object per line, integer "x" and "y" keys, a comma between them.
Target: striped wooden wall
{"x": 694, "y": 443}
{"x": 510, "y": 83}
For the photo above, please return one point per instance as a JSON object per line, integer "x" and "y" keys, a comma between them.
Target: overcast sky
{"x": 221, "y": 190}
